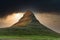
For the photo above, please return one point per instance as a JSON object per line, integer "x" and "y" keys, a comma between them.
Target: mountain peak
{"x": 31, "y": 24}
{"x": 28, "y": 13}
{"x": 27, "y": 18}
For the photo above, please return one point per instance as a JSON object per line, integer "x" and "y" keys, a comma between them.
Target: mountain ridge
{"x": 31, "y": 21}
{"x": 27, "y": 18}
{"x": 28, "y": 25}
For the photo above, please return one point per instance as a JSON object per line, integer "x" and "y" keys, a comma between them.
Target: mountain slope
{"x": 28, "y": 25}
{"x": 31, "y": 25}
{"x": 27, "y": 19}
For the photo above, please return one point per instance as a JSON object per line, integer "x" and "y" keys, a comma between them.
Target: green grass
{"x": 29, "y": 33}
{"x": 29, "y": 37}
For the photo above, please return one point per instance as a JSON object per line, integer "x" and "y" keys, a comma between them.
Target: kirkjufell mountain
{"x": 31, "y": 25}
{"x": 28, "y": 25}
{"x": 27, "y": 19}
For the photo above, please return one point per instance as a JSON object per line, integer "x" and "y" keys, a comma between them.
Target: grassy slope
{"x": 33, "y": 29}
{"x": 27, "y": 31}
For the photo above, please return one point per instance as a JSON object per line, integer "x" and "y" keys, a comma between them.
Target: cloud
{"x": 9, "y": 6}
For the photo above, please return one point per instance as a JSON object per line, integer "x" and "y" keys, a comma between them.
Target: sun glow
{"x": 17, "y": 16}
{"x": 10, "y": 20}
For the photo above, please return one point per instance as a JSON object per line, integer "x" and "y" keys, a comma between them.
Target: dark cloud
{"x": 10, "y": 6}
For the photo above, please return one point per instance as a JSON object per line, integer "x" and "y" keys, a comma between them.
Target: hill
{"x": 28, "y": 25}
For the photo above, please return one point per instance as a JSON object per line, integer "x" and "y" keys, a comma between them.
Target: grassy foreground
{"x": 29, "y": 37}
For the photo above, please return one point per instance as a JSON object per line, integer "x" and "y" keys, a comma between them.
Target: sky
{"x": 46, "y": 11}
{"x": 9, "y": 6}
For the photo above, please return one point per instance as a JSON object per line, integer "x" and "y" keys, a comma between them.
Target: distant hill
{"x": 28, "y": 25}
